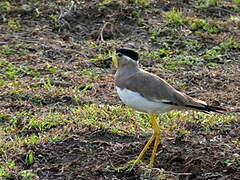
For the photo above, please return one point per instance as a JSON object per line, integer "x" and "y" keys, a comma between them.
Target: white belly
{"x": 138, "y": 102}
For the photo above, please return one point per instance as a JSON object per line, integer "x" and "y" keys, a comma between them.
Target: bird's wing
{"x": 154, "y": 88}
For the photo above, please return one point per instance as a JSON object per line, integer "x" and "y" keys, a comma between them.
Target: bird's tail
{"x": 207, "y": 108}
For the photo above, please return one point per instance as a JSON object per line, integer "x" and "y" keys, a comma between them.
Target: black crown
{"x": 128, "y": 52}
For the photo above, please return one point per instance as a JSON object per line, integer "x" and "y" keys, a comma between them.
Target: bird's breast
{"x": 141, "y": 103}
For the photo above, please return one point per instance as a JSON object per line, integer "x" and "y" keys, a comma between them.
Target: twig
{"x": 3, "y": 43}
{"x": 170, "y": 172}
{"x": 178, "y": 174}
{"x": 100, "y": 36}
{"x": 28, "y": 41}
{"x": 72, "y": 8}
{"x": 222, "y": 9}
{"x": 55, "y": 83}
{"x": 64, "y": 13}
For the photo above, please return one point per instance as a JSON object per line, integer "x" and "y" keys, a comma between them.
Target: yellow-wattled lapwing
{"x": 148, "y": 93}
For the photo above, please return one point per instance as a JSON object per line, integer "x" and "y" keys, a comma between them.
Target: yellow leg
{"x": 155, "y": 136}
{"x": 156, "y": 133}
{"x": 145, "y": 148}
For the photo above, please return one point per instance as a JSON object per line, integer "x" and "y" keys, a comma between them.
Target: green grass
{"x": 173, "y": 59}
{"x": 206, "y": 3}
{"x": 53, "y": 21}
{"x": 174, "y": 17}
{"x": 104, "y": 116}
{"x": 143, "y": 3}
{"x": 198, "y": 23}
{"x": 5, "y": 6}
{"x": 13, "y": 25}
{"x": 105, "y": 2}
{"x": 28, "y": 175}
{"x": 53, "y": 126}
{"x": 10, "y": 71}
{"x": 218, "y": 52}
{"x": 203, "y": 25}
{"x": 236, "y": 4}
{"x": 17, "y": 48}
{"x": 3, "y": 172}
{"x": 180, "y": 61}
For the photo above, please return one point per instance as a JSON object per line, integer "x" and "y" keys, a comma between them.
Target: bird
{"x": 148, "y": 93}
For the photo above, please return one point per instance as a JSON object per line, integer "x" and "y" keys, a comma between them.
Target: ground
{"x": 60, "y": 117}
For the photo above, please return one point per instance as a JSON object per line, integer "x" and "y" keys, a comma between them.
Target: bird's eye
{"x": 119, "y": 54}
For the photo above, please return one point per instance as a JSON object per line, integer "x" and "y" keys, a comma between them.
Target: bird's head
{"x": 123, "y": 57}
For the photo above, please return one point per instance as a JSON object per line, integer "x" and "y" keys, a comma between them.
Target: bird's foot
{"x": 130, "y": 165}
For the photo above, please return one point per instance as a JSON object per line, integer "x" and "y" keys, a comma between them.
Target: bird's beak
{"x": 107, "y": 59}
{"x": 113, "y": 59}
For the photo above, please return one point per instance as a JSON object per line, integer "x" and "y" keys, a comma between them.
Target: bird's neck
{"x": 127, "y": 70}
{"x": 128, "y": 64}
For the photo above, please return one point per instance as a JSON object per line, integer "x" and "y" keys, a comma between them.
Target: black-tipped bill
{"x": 112, "y": 59}
{"x": 107, "y": 59}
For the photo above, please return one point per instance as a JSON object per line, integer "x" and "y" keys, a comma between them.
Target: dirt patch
{"x": 95, "y": 154}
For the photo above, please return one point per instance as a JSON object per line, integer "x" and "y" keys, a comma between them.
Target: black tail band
{"x": 207, "y": 108}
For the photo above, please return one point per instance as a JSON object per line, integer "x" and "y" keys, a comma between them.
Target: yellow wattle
{"x": 114, "y": 60}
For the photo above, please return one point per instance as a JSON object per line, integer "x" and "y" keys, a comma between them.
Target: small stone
{"x": 131, "y": 43}
{"x": 26, "y": 8}
{"x": 235, "y": 155}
